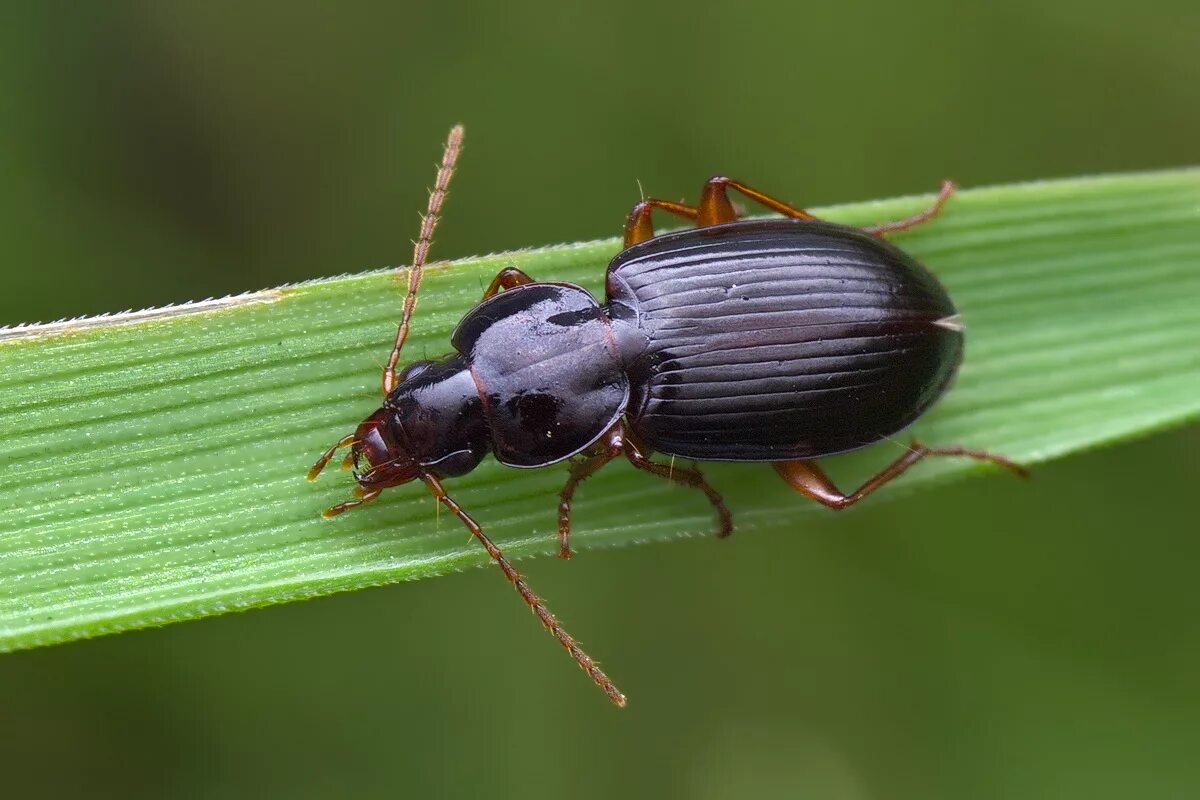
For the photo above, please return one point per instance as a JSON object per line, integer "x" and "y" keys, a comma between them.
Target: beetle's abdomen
{"x": 777, "y": 340}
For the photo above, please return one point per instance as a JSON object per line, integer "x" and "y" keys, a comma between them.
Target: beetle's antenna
{"x": 421, "y": 249}
{"x": 527, "y": 594}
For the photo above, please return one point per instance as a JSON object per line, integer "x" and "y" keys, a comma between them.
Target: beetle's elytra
{"x": 779, "y": 340}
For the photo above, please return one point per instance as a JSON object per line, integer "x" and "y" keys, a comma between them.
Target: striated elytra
{"x": 777, "y": 340}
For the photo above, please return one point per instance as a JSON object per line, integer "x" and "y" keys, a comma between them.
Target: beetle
{"x": 778, "y": 340}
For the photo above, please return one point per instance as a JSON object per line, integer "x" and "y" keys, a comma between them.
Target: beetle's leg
{"x": 506, "y": 278}
{"x": 604, "y": 451}
{"x": 686, "y": 477}
{"x": 715, "y": 207}
{"x": 639, "y": 227}
{"x": 364, "y": 496}
{"x": 421, "y": 251}
{"x": 807, "y": 477}
{"x": 531, "y": 599}
{"x": 944, "y": 194}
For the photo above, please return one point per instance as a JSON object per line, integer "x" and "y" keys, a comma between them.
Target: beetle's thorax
{"x": 545, "y": 365}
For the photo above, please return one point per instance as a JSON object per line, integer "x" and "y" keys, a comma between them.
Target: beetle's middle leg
{"x": 686, "y": 477}
{"x": 715, "y": 207}
{"x": 807, "y": 477}
{"x": 639, "y": 226}
{"x": 616, "y": 441}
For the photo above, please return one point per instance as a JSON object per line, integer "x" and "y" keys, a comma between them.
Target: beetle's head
{"x": 431, "y": 424}
{"x": 379, "y": 458}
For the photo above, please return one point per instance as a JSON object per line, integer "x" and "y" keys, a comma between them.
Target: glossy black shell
{"x": 778, "y": 340}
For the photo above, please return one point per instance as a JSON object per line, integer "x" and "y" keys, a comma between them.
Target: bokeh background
{"x": 989, "y": 639}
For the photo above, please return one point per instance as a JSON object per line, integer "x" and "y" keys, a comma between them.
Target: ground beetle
{"x": 779, "y": 340}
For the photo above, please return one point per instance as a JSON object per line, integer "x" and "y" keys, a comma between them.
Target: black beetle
{"x": 776, "y": 340}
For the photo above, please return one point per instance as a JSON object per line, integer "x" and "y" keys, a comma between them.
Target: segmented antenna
{"x": 421, "y": 250}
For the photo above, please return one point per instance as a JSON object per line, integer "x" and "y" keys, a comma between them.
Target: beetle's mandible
{"x": 775, "y": 340}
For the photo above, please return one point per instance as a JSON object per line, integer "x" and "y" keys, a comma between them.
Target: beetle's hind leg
{"x": 945, "y": 193}
{"x": 807, "y": 477}
{"x": 715, "y": 208}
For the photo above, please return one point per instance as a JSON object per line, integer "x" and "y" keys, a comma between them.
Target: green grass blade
{"x": 152, "y": 466}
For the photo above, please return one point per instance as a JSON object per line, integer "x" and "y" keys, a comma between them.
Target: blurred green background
{"x": 990, "y": 639}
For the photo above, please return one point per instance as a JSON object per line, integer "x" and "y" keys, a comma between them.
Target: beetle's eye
{"x": 414, "y": 369}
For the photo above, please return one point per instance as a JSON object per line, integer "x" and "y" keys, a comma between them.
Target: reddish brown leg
{"x": 616, "y": 441}
{"x": 527, "y": 594}
{"x": 639, "y": 227}
{"x": 715, "y": 207}
{"x": 506, "y": 278}
{"x": 947, "y": 190}
{"x": 810, "y": 480}
{"x": 608, "y": 448}
{"x": 685, "y": 477}
{"x": 421, "y": 251}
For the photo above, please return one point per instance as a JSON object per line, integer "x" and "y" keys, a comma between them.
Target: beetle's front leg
{"x": 604, "y": 451}
{"x": 506, "y": 278}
